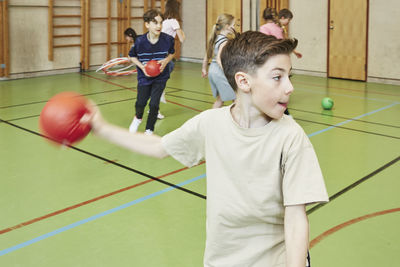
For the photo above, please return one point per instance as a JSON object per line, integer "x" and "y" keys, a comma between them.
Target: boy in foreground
{"x": 261, "y": 167}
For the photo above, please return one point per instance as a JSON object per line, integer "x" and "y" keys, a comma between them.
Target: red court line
{"x": 107, "y": 81}
{"x": 347, "y": 89}
{"x": 9, "y": 229}
{"x": 348, "y": 223}
{"x": 195, "y": 109}
{"x": 198, "y": 110}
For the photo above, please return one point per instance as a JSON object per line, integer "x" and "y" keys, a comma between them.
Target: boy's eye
{"x": 276, "y": 78}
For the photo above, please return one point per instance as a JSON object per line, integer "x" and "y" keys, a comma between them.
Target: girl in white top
{"x": 171, "y": 27}
{"x": 171, "y": 20}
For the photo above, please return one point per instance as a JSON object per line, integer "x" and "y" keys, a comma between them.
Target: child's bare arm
{"x": 149, "y": 145}
{"x": 204, "y": 66}
{"x": 219, "y": 53}
{"x": 181, "y": 35}
{"x": 136, "y": 61}
{"x": 296, "y": 235}
{"x": 164, "y": 62}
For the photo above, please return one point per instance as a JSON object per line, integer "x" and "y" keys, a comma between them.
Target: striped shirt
{"x": 145, "y": 51}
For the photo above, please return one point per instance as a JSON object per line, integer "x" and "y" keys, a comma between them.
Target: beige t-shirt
{"x": 251, "y": 175}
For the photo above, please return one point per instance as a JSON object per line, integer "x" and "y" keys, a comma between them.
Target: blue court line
{"x": 97, "y": 216}
{"x": 352, "y": 119}
{"x": 344, "y": 95}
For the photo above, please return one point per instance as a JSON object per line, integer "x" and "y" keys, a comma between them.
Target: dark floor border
{"x": 353, "y": 185}
{"x": 111, "y": 162}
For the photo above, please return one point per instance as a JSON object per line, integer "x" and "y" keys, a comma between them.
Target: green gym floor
{"x": 95, "y": 204}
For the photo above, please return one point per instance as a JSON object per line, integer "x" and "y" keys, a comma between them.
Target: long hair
{"x": 270, "y": 14}
{"x": 286, "y": 13}
{"x": 131, "y": 33}
{"x": 222, "y": 21}
{"x": 172, "y": 8}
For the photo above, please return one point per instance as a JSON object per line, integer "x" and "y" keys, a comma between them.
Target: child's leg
{"x": 156, "y": 92}
{"x": 218, "y": 102}
{"x": 143, "y": 95}
{"x": 142, "y": 98}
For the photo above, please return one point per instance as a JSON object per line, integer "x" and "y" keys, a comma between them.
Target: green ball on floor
{"x": 327, "y": 103}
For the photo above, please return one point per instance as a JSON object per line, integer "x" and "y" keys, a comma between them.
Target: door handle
{"x": 331, "y": 27}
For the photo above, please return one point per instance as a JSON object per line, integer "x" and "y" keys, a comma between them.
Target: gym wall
{"x": 28, "y": 36}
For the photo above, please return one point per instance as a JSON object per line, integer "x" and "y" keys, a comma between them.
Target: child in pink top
{"x": 271, "y": 27}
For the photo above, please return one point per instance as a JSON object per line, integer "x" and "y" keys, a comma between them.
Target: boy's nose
{"x": 289, "y": 88}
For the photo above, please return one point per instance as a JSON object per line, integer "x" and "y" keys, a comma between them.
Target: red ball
{"x": 153, "y": 68}
{"x": 60, "y": 118}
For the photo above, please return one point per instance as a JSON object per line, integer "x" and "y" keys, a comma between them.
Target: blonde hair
{"x": 222, "y": 21}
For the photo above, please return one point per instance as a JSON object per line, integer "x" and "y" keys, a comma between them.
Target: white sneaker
{"x": 159, "y": 115}
{"x": 148, "y": 132}
{"x": 134, "y": 125}
{"x": 162, "y": 99}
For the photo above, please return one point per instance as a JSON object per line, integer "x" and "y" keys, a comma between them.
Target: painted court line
{"x": 343, "y": 95}
{"x": 97, "y": 216}
{"x": 348, "y": 223}
{"x": 26, "y": 223}
{"x": 352, "y": 119}
{"x": 65, "y": 228}
{"x": 348, "y": 89}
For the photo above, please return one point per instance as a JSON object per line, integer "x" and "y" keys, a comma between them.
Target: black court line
{"x": 350, "y": 129}
{"x": 315, "y": 122}
{"x": 346, "y": 118}
{"x": 305, "y": 111}
{"x": 353, "y": 185}
{"x": 44, "y": 101}
{"x": 100, "y": 104}
{"x": 188, "y": 98}
{"x": 112, "y": 162}
{"x": 195, "y": 92}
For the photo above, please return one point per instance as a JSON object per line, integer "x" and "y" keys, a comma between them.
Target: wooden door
{"x": 4, "y": 49}
{"x": 217, "y": 7}
{"x": 347, "y": 39}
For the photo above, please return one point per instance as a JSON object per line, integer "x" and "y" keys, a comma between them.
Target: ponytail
{"x": 223, "y": 19}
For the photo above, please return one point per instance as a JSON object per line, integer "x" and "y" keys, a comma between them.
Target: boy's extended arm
{"x": 296, "y": 235}
{"x": 149, "y": 145}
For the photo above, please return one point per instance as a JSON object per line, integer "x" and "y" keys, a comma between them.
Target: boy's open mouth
{"x": 283, "y": 104}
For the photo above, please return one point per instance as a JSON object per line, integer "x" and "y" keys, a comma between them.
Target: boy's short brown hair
{"x": 249, "y": 51}
{"x": 150, "y": 15}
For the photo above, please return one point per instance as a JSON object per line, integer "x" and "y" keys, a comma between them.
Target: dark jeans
{"x": 171, "y": 65}
{"x": 154, "y": 92}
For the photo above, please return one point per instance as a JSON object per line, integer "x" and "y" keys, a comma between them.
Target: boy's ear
{"x": 243, "y": 81}
{"x": 147, "y": 25}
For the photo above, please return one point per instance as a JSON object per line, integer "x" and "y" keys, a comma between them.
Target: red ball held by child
{"x": 60, "y": 119}
{"x": 153, "y": 68}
